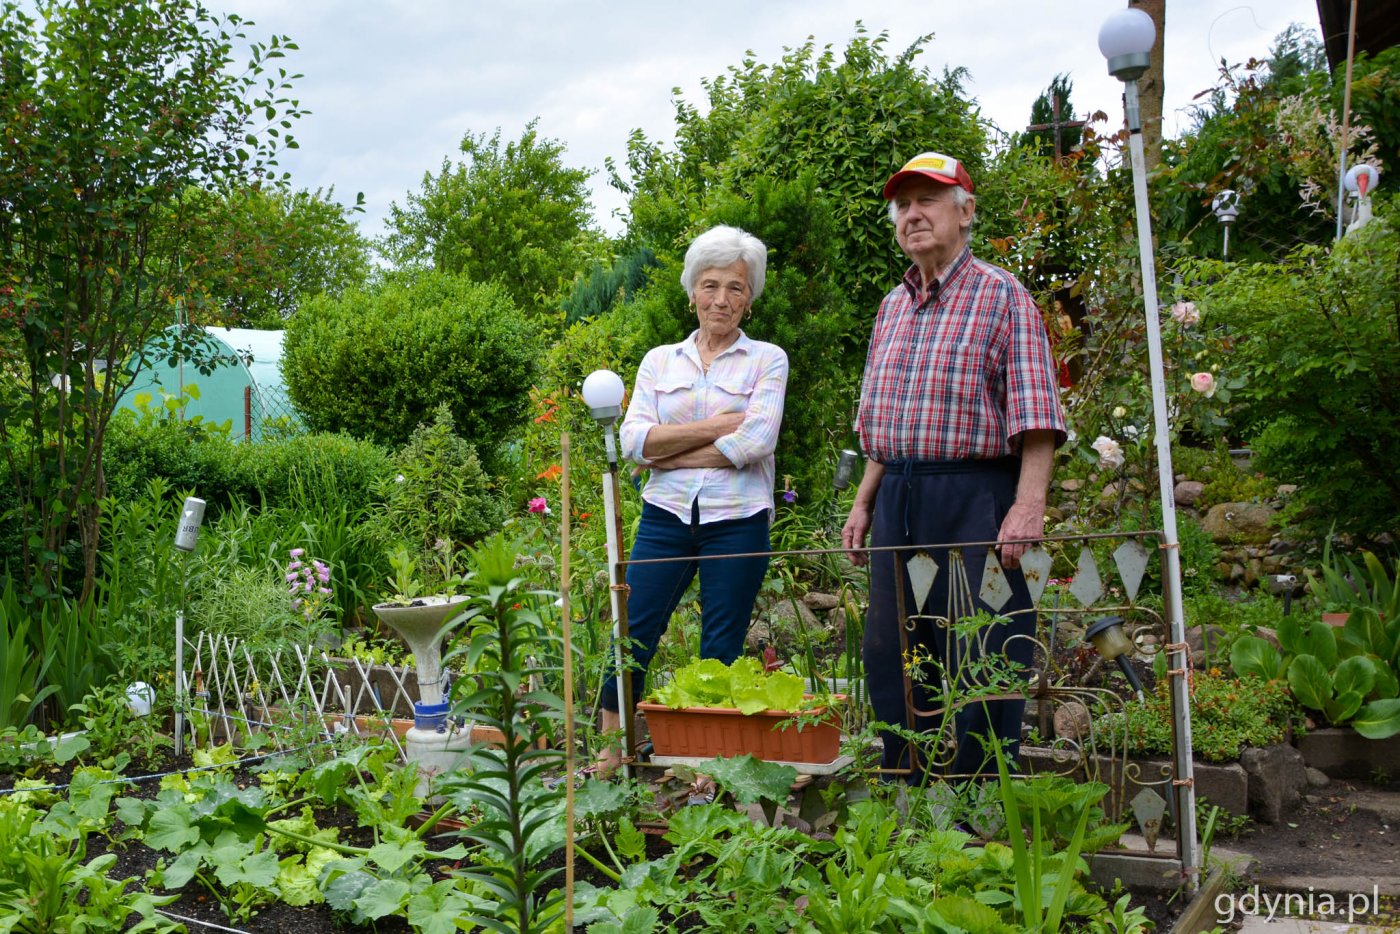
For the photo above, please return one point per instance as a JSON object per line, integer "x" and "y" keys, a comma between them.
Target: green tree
{"x": 255, "y": 253}
{"x": 849, "y": 121}
{"x": 1318, "y": 336}
{"x": 109, "y": 110}
{"x": 515, "y": 215}
{"x": 375, "y": 363}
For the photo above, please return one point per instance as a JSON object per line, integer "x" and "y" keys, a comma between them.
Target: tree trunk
{"x": 1151, "y": 86}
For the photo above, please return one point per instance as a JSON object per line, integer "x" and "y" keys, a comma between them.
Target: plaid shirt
{"x": 672, "y": 388}
{"x": 961, "y": 376}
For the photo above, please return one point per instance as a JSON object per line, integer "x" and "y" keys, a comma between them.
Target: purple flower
{"x": 325, "y": 590}
{"x": 291, "y": 577}
{"x": 307, "y": 587}
{"x": 297, "y": 552}
{"x": 789, "y": 496}
{"x": 294, "y": 566}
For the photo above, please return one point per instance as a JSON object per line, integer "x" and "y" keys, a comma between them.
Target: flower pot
{"x": 708, "y": 732}
{"x": 1336, "y": 619}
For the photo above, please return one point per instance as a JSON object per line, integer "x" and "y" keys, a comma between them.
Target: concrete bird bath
{"x": 433, "y": 744}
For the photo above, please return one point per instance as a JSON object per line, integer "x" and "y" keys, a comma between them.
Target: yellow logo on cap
{"x": 926, "y": 162}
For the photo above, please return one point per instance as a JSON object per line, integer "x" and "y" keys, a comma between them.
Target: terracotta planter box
{"x": 710, "y": 732}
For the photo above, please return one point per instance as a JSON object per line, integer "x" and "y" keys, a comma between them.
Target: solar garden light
{"x": 186, "y": 538}
{"x": 1107, "y": 637}
{"x": 1226, "y": 206}
{"x": 1126, "y": 39}
{"x": 602, "y": 393}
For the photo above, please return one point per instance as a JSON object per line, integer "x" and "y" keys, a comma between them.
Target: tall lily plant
{"x": 522, "y": 819}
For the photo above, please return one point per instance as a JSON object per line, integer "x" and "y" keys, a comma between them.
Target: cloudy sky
{"x": 394, "y": 85}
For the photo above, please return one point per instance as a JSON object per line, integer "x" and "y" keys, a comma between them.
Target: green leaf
{"x": 631, "y": 842}
{"x": 751, "y": 780}
{"x": 1251, "y": 655}
{"x": 393, "y": 855}
{"x": 435, "y": 909}
{"x": 1355, "y": 675}
{"x": 383, "y": 897}
{"x": 599, "y": 799}
{"x": 1341, "y": 708}
{"x": 967, "y": 914}
{"x": 343, "y": 890}
{"x": 69, "y": 747}
{"x": 1309, "y": 681}
{"x": 172, "y": 829}
{"x": 1378, "y": 719}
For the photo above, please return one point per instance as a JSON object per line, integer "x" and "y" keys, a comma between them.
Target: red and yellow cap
{"x": 930, "y": 165}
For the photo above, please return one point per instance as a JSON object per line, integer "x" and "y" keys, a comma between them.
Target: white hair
{"x": 722, "y": 246}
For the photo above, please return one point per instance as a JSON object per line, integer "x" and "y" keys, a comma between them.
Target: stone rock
{"x": 1203, "y": 642}
{"x": 1286, "y": 489}
{"x": 782, "y": 610}
{"x": 1268, "y": 635}
{"x": 836, "y": 620}
{"x": 820, "y": 601}
{"x": 1236, "y": 572}
{"x": 1072, "y": 720}
{"x": 1253, "y": 571}
{"x": 1054, "y": 515}
{"x": 1071, "y": 485}
{"x": 1276, "y": 781}
{"x": 1188, "y": 492}
{"x": 1110, "y": 491}
{"x": 1232, "y": 523}
{"x": 1317, "y": 778}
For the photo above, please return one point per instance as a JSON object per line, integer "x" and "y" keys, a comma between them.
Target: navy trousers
{"x": 931, "y": 503}
{"x": 728, "y": 587}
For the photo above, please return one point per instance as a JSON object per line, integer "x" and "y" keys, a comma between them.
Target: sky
{"x": 394, "y": 85}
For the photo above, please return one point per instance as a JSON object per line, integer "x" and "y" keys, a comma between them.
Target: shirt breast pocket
{"x": 956, "y": 371}
{"x": 675, "y": 401}
{"x": 731, "y": 394}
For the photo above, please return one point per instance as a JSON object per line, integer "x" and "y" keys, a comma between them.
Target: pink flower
{"x": 325, "y": 590}
{"x": 538, "y": 504}
{"x": 291, "y": 577}
{"x": 1204, "y": 383}
{"x": 1185, "y": 314}
{"x": 298, "y": 552}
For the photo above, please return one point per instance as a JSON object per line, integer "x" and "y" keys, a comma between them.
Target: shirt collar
{"x": 743, "y": 344}
{"x": 913, "y": 279}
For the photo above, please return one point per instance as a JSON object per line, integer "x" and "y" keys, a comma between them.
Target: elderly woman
{"x": 704, "y": 416}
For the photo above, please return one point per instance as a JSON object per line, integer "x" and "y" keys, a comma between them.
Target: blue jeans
{"x": 931, "y": 503}
{"x": 727, "y": 587}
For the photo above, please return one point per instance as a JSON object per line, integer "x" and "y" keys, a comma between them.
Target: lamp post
{"x": 602, "y": 393}
{"x": 1126, "y": 39}
{"x": 1226, "y": 206}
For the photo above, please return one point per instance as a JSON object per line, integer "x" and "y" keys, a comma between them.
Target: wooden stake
{"x": 568, "y": 632}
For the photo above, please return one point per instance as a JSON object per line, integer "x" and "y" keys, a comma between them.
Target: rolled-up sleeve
{"x": 757, "y": 437}
{"x": 641, "y": 412}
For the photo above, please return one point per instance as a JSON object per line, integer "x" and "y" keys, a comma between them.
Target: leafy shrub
{"x": 316, "y": 468}
{"x": 441, "y": 499}
{"x": 1227, "y": 715}
{"x": 375, "y": 363}
{"x": 1319, "y": 342}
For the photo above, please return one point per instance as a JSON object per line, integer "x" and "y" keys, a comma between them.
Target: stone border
{"x": 1341, "y": 752}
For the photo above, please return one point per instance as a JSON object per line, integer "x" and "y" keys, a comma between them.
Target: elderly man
{"x": 959, "y": 418}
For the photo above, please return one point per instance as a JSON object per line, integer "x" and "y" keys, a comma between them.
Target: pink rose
{"x": 538, "y": 504}
{"x": 1185, "y": 314}
{"x": 1204, "y": 383}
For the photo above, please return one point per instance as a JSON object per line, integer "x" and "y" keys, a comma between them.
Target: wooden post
{"x": 248, "y": 413}
{"x": 568, "y": 633}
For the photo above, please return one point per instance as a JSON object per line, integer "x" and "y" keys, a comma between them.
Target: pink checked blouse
{"x": 672, "y": 388}
{"x": 961, "y": 376}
